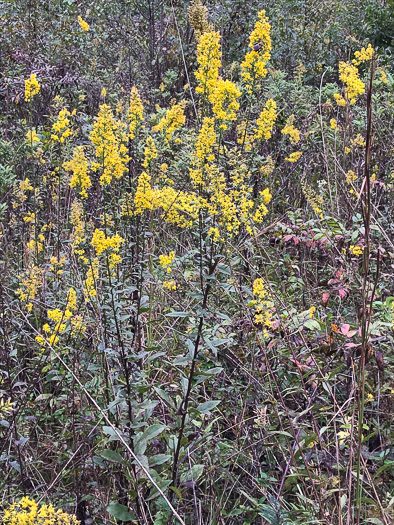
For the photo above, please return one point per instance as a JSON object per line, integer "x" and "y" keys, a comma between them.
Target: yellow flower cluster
{"x": 198, "y": 18}
{"x": 224, "y": 99}
{"x": 108, "y": 136}
{"x": 78, "y": 238}
{"x": 92, "y": 275}
{"x": 84, "y": 25}
{"x": 350, "y": 177}
{"x": 204, "y": 151}
{"x": 262, "y": 305}
{"x": 266, "y": 120}
{"x": 245, "y": 136}
{"x": 333, "y": 123}
{"x": 358, "y": 142}
{"x": 79, "y": 167}
{"x": 290, "y": 130}
{"x": 356, "y": 250}
{"x": 150, "y": 152}
{"x": 312, "y": 311}
{"x": 32, "y": 137}
{"x": 59, "y": 320}
{"x": 268, "y": 167}
{"x": 57, "y": 264}
{"x": 30, "y": 282}
{"x": 173, "y": 119}
{"x": 60, "y": 128}
{"x": 354, "y": 86}
{"x": 27, "y": 512}
{"x": 315, "y": 200}
{"x": 169, "y": 285}
{"x": 32, "y": 87}
{"x": 209, "y": 61}
{"x": 340, "y": 100}
{"x": 293, "y": 157}
{"x": 135, "y": 114}
{"x": 102, "y": 243}
{"x": 167, "y": 260}
{"x": 363, "y": 55}
{"x": 253, "y": 66}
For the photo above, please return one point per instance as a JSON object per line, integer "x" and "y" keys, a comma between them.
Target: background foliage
{"x": 137, "y": 381}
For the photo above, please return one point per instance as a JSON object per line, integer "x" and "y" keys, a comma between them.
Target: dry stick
{"x": 118, "y": 434}
{"x": 366, "y": 211}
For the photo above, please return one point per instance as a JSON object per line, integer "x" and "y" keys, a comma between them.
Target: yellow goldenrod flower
{"x": 253, "y": 66}
{"x": 108, "y": 138}
{"x": 167, "y": 260}
{"x": 333, "y": 123}
{"x": 293, "y": 157}
{"x": 209, "y": 61}
{"x": 356, "y": 250}
{"x": 224, "y": 99}
{"x": 79, "y": 166}
{"x": 266, "y": 120}
{"x": 354, "y": 86}
{"x": 136, "y": 112}
{"x": 169, "y": 285}
{"x": 173, "y": 119}
{"x": 32, "y": 87}
{"x": 32, "y": 137}
{"x": 84, "y": 25}
{"x": 291, "y": 131}
{"x": 363, "y": 55}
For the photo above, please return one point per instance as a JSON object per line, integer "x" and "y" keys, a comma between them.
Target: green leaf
{"x": 120, "y": 512}
{"x": 312, "y": 324}
{"x": 111, "y": 455}
{"x": 178, "y": 314}
{"x": 206, "y": 407}
{"x": 159, "y": 459}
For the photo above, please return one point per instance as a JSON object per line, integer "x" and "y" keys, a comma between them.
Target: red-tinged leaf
{"x": 342, "y": 293}
{"x": 351, "y": 345}
{"x": 333, "y": 281}
{"x": 345, "y": 328}
{"x": 288, "y": 238}
{"x": 296, "y": 240}
{"x": 325, "y": 298}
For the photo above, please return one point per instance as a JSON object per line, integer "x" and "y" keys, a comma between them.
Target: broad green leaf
{"x": 206, "y": 407}
{"x": 120, "y": 512}
{"x": 111, "y": 455}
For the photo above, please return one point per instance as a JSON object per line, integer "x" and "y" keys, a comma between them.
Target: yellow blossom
{"x": 167, "y": 260}
{"x": 363, "y": 55}
{"x": 169, "y": 285}
{"x": 293, "y": 157}
{"x": 173, "y": 119}
{"x": 108, "y": 138}
{"x": 135, "y": 114}
{"x": 333, "y": 123}
{"x": 150, "y": 152}
{"x": 291, "y": 131}
{"x": 224, "y": 99}
{"x": 354, "y": 87}
{"x": 253, "y": 66}
{"x": 209, "y": 61}
{"x": 356, "y": 250}
{"x": 32, "y": 87}
{"x": 79, "y": 166}
{"x": 32, "y": 137}
{"x": 60, "y": 128}
{"x": 266, "y": 120}
{"x": 84, "y": 25}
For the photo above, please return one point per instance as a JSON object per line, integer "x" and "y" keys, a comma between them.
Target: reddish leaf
{"x": 345, "y": 328}
{"x": 342, "y": 292}
{"x": 325, "y": 298}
